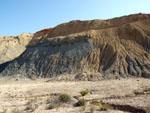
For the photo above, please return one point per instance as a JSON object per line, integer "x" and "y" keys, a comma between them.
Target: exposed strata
{"x": 118, "y": 46}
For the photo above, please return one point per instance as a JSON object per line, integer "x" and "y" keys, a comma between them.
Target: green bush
{"x": 64, "y": 98}
{"x": 103, "y": 107}
{"x": 81, "y": 102}
{"x": 83, "y": 93}
{"x": 52, "y": 106}
{"x": 100, "y": 105}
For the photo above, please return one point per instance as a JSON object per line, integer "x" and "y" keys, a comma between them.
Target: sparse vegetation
{"x": 15, "y": 110}
{"x": 48, "y": 101}
{"x": 107, "y": 106}
{"x": 64, "y": 98}
{"x": 31, "y": 106}
{"x": 52, "y": 106}
{"x": 83, "y": 93}
{"x": 26, "y": 98}
{"x": 41, "y": 102}
{"x": 103, "y": 107}
{"x": 81, "y": 102}
{"x": 4, "y": 110}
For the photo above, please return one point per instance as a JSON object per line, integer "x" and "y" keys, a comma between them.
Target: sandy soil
{"x": 123, "y": 95}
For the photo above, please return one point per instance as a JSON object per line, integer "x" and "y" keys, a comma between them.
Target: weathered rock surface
{"x": 118, "y": 46}
{"x": 13, "y": 46}
{"x": 50, "y": 58}
{"x": 38, "y": 36}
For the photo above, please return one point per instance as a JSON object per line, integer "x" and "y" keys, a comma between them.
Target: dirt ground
{"x": 34, "y": 96}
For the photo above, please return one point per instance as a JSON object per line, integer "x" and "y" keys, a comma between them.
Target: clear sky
{"x": 17, "y": 16}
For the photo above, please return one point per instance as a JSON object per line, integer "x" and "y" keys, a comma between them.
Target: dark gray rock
{"x": 131, "y": 70}
{"x": 131, "y": 60}
{"x": 134, "y": 67}
{"x": 146, "y": 74}
{"x": 138, "y": 70}
{"x": 49, "y": 58}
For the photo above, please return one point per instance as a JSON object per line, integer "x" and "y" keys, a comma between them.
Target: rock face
{"x": 50, "y": 58}
{"x": 118, "y": 46}
{"x": 38, "y": 36}
{"x": 12, "y": 47}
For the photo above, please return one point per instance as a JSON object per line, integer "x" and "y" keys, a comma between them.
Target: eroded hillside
{"x": 13, "y": 46}
{"x": 118, "y": 46}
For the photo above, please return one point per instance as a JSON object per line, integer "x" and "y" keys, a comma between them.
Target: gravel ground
{"x": 18, "y": 94}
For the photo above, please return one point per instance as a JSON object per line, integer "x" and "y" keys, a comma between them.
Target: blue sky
{"x": 17, "y": 16}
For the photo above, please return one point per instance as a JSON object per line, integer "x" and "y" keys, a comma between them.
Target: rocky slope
{"x": 118, "y": 46}
{"x": 13, "y": 46}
